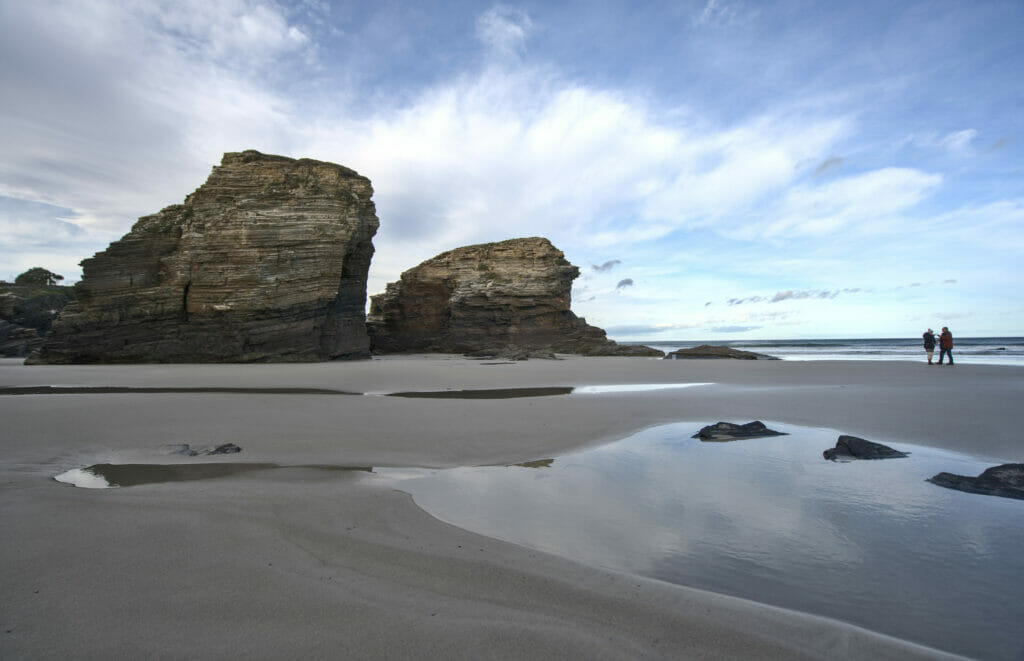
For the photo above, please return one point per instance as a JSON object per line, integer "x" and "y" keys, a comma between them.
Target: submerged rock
{"x": 717, "y": 351}
{"x": 1005, "y": 480}
{"x": 730, "y": 431}
{"x": 488, "y": 297}
{"x": 266, "y": 261}
{"x": 850, "y": 447}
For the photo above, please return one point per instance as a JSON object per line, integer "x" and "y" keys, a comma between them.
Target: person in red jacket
{"x": 946, "y": 345}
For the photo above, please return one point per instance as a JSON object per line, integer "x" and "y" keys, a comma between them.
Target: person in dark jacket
{"x": 929, "y": 344}
{"x": 946, "y": 345}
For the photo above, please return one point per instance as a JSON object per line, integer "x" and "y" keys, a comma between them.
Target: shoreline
{"x": 323, "y": 561}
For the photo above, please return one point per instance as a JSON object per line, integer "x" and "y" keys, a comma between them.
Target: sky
{"x": 717, "y": 169}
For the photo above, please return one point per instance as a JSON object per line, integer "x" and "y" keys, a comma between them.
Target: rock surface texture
{"x": 493, "y": 296}
{"x": 731, "y": 431}
{"x": 266, "y": 261}
{"x": 848, "y": 448}
{"x": 1005, "y": 480}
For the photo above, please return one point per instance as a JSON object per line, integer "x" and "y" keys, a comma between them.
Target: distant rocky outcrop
{"x": 850, "y": 447}
{"x": 266, "y": 261}
{"x": 717, "y": 351}
{"x": 1006, "y": 480}
{"x": 26, "y": 314}
{"x": 731, "y": 431}
{"x": 488, "y": 297}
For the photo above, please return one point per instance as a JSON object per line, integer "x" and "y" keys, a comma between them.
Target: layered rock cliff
{"x": 266, "y": 261}
{"x": 492, "y": 296}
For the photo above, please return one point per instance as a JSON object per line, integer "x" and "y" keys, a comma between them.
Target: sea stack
{"x": 487, "y": 297}
{"x": 265, "y": 262}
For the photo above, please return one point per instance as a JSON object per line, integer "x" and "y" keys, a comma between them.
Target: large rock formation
{"x": 266, "y": 261}
{"x": 514, "y": 293}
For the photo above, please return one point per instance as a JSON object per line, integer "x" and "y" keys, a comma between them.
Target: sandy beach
{"x": 312, "y": 559}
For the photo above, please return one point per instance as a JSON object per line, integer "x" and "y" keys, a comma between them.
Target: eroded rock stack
{"x": 492, "y": 296}
{"x": 266, "y": 261}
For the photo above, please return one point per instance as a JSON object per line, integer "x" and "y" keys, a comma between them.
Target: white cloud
{"x": 235, "y": 30}
{"x": 719, "y": 13}
{"x": 958, "y": 140}
{"x": 864, "y": 202}
{"x": 504, "y": 29}
{"x": 955, "y": 141}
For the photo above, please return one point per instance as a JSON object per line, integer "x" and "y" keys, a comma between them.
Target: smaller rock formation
{"x": 265, "y": 262}
{"x": 185, "y": 450}
{"x": 513, "y": 353}
{"x": 730, "y": 431}
{"x": 717, "y": 351}
{"x": 1005, "y": 480}
{"x": 26, "y": 314}
{"x": 849, "y": 448}
{"x": 512, "y": 296}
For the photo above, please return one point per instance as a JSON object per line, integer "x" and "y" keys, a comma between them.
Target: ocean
{"x": 966, "y": 350}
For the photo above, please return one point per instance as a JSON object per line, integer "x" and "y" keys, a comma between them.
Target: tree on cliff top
{"x": 38, "y": 276}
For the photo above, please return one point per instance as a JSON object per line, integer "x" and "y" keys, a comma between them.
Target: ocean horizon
{"x": 966, "y": 350}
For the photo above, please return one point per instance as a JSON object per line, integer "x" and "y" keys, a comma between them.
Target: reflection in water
{"x": 633, "y": 387}
{"x": 540, "y": 463}
{"x": 769, "y": 519}
{"x": 499, "y": 393}
{"x": 547, "y": 391}
{"x": 162, "y": 390}
{"x": 105, "y": 476}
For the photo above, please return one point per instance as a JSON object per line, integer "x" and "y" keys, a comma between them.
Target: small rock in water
{"x": 850, "y": 447}
{"x": 187, "y": 451}
{"x": 730, "y": 431}
{"x": 225, "y": 448}
{"x": 1005, "y": 480}
{"x": 180, "y": 448}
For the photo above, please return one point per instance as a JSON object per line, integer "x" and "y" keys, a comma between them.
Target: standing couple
{"x": 945, "y": 345}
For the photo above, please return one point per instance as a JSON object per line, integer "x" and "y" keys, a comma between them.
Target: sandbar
{"x": 305, "y": 558}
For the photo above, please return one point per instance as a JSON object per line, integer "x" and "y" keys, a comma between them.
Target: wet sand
{"x": 305, "y": 559}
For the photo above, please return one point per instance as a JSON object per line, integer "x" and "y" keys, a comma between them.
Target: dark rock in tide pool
{"x": 1006, "y": 480}
{"x": 185, "y": 450}
{"x": 849, "y": 448}
{"x": 730, "y": 431}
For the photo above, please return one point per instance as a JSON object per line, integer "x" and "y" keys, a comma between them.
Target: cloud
{"x": 802, "y": 294}
{"x": 719, "y": 13}
{"x": 958, "y": 140}
{"x": 873, "y": 201}
{"x": 733, "y": 329}
{"x": 741, "y": 301}
{"x": 648, "y": 329}
{"x": 627, "y": 282}
{"x": 828, "y": 165}
{"x": 955, "y": 141}
{"x": 607, "y": 266}
{"x": 504, "y": 29}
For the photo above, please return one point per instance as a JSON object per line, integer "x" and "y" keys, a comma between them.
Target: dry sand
{"x": 313, "y": 561}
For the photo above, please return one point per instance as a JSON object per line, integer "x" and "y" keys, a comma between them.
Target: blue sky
{"x": 718, "y": 169}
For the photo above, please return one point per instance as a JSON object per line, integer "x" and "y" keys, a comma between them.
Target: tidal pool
{"x": 768, "y": 519}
